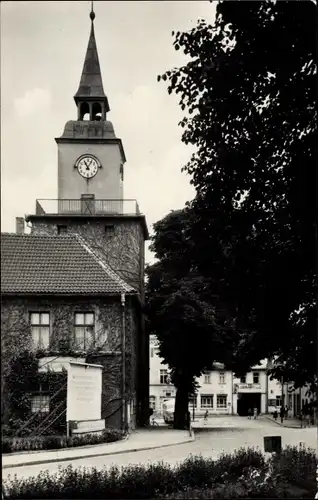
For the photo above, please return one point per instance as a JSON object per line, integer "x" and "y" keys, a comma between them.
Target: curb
{"x": 282, "y": 425}
{"x": 66, "y": 459}
{"x": 82, "y": 447}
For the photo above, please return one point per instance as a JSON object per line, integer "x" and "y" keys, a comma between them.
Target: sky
{"x": 43, "y": 45}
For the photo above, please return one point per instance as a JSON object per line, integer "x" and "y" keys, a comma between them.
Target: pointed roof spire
{"x": 92, "y": 13}
{"x": 91, "y": 84}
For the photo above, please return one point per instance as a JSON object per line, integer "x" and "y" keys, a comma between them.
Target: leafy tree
{"x": 190, "y": 328}
{"x": 249, "y": 92}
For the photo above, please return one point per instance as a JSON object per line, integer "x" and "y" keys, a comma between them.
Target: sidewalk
{"x": 138, "y": 440}
{"x": 292, "y": 423}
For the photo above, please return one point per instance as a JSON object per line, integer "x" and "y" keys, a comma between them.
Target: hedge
{"x": 243, "y": 474}
{"x": 12, "y": 444}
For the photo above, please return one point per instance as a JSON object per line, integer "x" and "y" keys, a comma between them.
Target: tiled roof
{"x": 63, "y": 265}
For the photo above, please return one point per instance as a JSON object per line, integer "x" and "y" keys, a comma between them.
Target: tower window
{"x": 97, "y": 112}
{"x": 84, "y": 111}
{"x": 61, "y": 229}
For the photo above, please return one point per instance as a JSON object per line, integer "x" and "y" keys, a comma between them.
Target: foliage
{"x": 250, "y": 478}
{"x": 190, "y": 329}
{"x": 243, "y": 488}
{"x": 296, "y": 464}
{"x": 234, "y": 464}
{"x": 249, "y": 92}
{"x": 23, "y": 380}
{"x": 54, "y": 442}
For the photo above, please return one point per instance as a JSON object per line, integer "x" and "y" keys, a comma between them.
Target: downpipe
{"x": 123, "y": 367}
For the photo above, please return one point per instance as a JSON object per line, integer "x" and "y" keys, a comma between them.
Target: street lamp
{"x": 282, "y": 405}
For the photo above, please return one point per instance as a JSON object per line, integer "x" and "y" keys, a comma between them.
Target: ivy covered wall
{"x": 16, "y": 340}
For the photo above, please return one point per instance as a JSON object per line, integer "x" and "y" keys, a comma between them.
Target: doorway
{"x": 246, "y": 401}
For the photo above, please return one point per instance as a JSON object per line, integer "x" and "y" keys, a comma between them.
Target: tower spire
{"x": 91, "y": 84}
{"x": 92, "y": 13}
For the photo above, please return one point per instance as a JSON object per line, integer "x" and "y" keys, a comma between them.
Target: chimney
{"x": 19, "y": 225}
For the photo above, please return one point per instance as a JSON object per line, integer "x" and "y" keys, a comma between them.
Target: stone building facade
{"x": 60, "y": 300}
{"x": 221, "y": 393}
{"x": 214, "y": 393}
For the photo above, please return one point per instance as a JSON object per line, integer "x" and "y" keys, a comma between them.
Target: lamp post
{"x": 193, "y": 405}
{"x": 282, "y": 405}
{"x": 123, "y": 367}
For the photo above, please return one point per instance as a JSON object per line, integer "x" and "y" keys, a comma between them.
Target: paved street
{"x": 224, "y": 433}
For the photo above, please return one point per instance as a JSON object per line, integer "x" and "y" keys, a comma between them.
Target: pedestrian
{"x": 275, "y": 415}
{"x": 282, "y": 413}
{"x": 255, "y": 413}
{"x": 286, "y": 412}
{"x": 249, "y": 413}
{"x": 311, "y": 416}
{"x": 206, "y": 417}
{"x": 303, "y": 416}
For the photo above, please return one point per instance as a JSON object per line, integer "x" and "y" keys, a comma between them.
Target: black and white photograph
{"x": 159, "y": 249}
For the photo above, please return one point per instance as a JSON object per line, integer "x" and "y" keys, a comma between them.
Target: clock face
{"x": 87, "y": 166}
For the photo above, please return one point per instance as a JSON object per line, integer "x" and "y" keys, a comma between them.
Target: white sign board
{"x": 84, "y": 391}
{"x": 57, "y": 364}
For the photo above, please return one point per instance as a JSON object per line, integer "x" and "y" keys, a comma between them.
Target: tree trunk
{"x": 181, "y": 408}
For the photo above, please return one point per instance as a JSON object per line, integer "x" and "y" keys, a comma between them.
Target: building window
{"x": 222, "y": 378}
{"x": 207, "y": 401}
{"x": 207, "y": 378}
{"x": 61, "y": 229}
{"x": 255, "y": 378}
{"x": 278, "y": 401}
{"x": 152, "y": 402}
{"x": 40, "y": 403}
{"x": 152, "y": 352}
{"x": 272, "y": 402}
{"x": 221, "y": 401}
{"x": 40, "y": 329}
{"x": 243, "y": 379}
{"x": 164, "y": 377}
{"x": 84, "y": 330}
{"x": 109, "y": 229}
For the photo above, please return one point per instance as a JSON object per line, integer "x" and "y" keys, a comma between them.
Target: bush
{"x": 12, "y": 444}
{"x": 296, "y": 464}
{"x": 10, "y": 429}
{"x": 232, "y": 476}
{"x": 240, "y": 490}
{"x": 233, "y": 465}
{"x": 196, "y": 471}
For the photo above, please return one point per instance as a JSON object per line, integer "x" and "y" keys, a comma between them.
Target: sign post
{"x": 272, "y": 444}
{"x": 84, "y": 398}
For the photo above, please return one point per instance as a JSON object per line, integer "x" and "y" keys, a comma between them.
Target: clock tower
{"x": 90, "y": 206}
{"x": 90, "y": 199}
{"x": 90, "y": 156}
